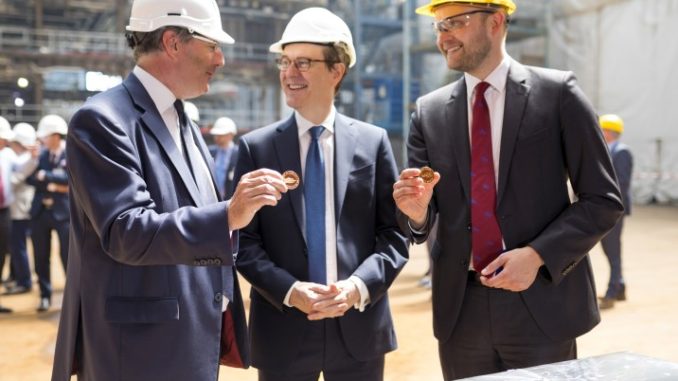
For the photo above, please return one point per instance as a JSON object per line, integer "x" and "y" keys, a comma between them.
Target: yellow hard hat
{"x": 612, "y": 123}
{"x": 427, "y": 10}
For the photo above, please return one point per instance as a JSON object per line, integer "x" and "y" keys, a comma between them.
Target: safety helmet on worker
{"x": 51, "y": 124}
{"x": 428, "y": 9}
{"x": 198, "y": 16}
{"x": 5, "y": 129}
{"x": 24, "y": 134}
{"x": 612, "y": 122}
{"x": 224, "y": 126}
{"x": 317, "y": 26}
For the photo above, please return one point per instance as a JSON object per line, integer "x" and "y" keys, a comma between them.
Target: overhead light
{"x": 22, "y": 82}
{"x": 19, "y": 102}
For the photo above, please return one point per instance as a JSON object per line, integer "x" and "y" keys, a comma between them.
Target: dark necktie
{"x": 314, "y": 202}
{"x": 485, "y": 233}
{"x": 202, "y": 178}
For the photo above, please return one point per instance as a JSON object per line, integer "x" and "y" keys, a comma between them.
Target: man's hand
{"x": 519, "y": 270}
{"x": 255, "y": 190}
{"x": 347, "y": 296}
{"x": 412, "y": 195}
{"x": 306, "y": 294}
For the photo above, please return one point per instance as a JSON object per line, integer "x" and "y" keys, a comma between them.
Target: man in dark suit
{"x": 151, "y": 291}
{"x": 622, "y": 160}
{"x": 49, "y": 210}
{"x": 320, "y": 263}
{"x": 225, "y": 153}
{"x": 512, "y": 281}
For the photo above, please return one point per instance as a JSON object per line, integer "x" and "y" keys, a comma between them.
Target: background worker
{"x": 622, "y": 159}
{"x": 512, "y": 280}
{"x": 225, "y": 154}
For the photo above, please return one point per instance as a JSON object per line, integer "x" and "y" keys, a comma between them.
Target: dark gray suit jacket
{"x": 622, "y": 160}
{"x": 550, "y": 133}
{"x": 273, "y": 252}
{"x": 148, "y": 262}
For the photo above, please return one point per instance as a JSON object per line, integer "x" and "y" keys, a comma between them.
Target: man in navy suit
{"x": 321, "y": 262}
{"x": 512, "y": 282}
{"x": 151, "y": 291}
{"x": 622, "y": 160}
{"x": 49, "y": 210}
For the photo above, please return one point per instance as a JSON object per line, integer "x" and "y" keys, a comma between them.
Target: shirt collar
{"x": 304, "y": 124}
{"x": 160, "y": 94}
{"x": 497, "y": 78}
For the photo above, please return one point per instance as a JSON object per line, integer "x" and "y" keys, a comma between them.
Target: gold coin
{"x": 291, "y": 179}
{"x": 426, "y": 174}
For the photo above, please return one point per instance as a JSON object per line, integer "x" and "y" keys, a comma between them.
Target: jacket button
{"x": 217, "y": 261}
{"x": 203, "y": 262}
{"x": 217, "y": 297}
{"x": 468, "y": 227}
{"x": 196, "y": 263}
{"x": 210, "y": 262}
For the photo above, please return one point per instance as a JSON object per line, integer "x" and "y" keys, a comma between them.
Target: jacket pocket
{"x": 125, "y": 310}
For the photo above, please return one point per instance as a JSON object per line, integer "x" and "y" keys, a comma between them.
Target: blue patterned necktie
{"x": 314, "y": 201}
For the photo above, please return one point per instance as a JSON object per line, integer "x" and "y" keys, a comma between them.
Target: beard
{"x": 473, "y": 54}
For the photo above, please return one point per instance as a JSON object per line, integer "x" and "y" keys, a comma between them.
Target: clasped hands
{"x": 319, "y": 301}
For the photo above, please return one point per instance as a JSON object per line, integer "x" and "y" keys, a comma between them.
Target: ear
{"x": 338, "y": 71}
{"x": 498, "y": 22}
{"x": 170, "y": 42}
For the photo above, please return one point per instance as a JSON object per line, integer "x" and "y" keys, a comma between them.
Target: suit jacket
{"x": 55, "y": 172}
{"x": 143, "y": 297}
{"x": 273, "y": 252}
{"x": 622, "y": 160}
{"x": 229, "y": 183}
{"x": 550, "y": 133}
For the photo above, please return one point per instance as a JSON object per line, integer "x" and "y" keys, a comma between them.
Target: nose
{"x": 219, "y": 57}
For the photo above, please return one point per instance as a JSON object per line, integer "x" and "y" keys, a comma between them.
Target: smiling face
{"x": 311, "y": 92}
{"x": 474, "y": 46}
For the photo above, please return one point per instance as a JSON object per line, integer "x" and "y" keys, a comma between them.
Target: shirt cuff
{"x": 364, "y": 293}
{"x": 289, "y": 294}
{"x": 417, "y": 231}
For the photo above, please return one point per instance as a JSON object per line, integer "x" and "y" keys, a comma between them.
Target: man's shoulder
{"x": 441, "y": 94}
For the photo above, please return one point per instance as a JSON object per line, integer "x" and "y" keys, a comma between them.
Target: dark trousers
{"x": 324, "y": 351}
{"x": 611, "y": 244}
{"x": 495, "y": 332}
{"x": 41, "y": 235}
{"x": 20, "y": 232}
{"x": 5, "y": 233}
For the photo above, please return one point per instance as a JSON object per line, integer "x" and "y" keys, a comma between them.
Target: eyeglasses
{"x": 456, "y": 22}
{"x": 302, "y": 64}
{"x": 212, "y": 44}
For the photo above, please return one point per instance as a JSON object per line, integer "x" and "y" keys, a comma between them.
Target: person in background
{"x": 622, "y": 160}
{"x": 321, "y": 262}
{"x": 49, "y": 209}
{"x": 7, "y": 161}
{"x": 225, "y": 154}
{"x": 151, "y": 291}
{"x": 512, "y": 281}
{"x": 27, "y": 151}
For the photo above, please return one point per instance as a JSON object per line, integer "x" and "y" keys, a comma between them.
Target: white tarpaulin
{"x": 625, "y": 55}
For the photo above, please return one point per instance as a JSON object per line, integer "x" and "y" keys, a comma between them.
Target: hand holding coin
{"x": 291, "y": 179}
{"x": 426, "y": 174}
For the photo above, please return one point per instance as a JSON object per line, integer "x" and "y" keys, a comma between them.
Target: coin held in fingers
{"x": 426, "y": 174}
{"x": 291, "y": 179}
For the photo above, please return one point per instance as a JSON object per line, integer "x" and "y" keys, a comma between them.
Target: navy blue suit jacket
{"x": 143, "y": 297}
{"x": 55, "y": 172}
{"x": 273, "y": 253}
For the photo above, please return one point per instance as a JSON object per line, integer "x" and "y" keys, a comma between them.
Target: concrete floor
{"x": 646, "y": 324}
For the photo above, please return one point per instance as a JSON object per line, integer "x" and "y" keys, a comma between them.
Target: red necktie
{"x": 485, "y": 233}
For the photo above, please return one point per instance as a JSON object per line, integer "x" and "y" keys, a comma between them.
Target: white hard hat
{"x": 191, "y": 111}
{"x": 200, "y": 16}
{"x": 24, "y": 134}
{"x": 5, "y": 129}
{"x": 224, "y": 126}
{"x": 51, "y": 124}
{"x": 316, "y": 25}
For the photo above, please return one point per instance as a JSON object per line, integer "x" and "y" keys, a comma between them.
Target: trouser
{"x": 611, "y": 244}
{"x": 20, "y": 232}
{"x": 41, "y": 235}
{"x": 5, "y": 233}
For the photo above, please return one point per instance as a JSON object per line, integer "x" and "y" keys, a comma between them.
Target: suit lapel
{"x": 205, "y": 153}
{"x": 517, "y": 91}
{"x": 286, "y": 145}
{"x": 345, "y": 135}
{"x": 153, "y": 121}
{"x": 456, "y": 109}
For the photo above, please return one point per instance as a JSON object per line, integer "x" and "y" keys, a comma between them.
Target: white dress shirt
{"x": 326, "y": 141}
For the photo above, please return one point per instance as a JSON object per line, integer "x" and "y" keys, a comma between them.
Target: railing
{"x": 55, "y": 41}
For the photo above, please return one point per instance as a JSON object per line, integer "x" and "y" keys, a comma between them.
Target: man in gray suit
{"x": 320, "y": 263}
{"x": 151, "y": 291}
{"x": 512, "y": 281}
{"x": 622, "y": 160}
